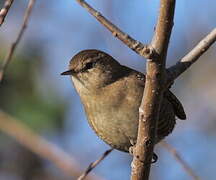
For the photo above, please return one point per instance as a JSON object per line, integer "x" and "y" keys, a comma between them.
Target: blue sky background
{"x": 63, "y": 28}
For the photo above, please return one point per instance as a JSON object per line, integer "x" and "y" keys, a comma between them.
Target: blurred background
{"x": 34, "y": 92}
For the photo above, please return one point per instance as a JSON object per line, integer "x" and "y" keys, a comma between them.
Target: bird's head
{"x": 93, "y": 69}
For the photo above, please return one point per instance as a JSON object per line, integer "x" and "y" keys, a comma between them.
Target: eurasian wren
{"x": 111, "y": 94}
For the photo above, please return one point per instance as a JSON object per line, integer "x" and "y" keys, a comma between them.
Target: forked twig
{"x": 20, "y": 34}
{"x": 4, "y": 10}
{"x": 94, "y": 164}
{"x": 179, "y": 159}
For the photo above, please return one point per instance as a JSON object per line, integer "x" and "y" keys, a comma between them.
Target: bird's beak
{"x": 69, "y": 72}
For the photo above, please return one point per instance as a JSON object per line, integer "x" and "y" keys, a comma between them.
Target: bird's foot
{"x": 131, "y": 151}
{"x": 154, "y": 156}
{"x": 131, "y": 148}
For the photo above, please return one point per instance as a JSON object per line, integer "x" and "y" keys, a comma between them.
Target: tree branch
{"x": 20, "y": 34}
{"x": 4, "y": 10}
{"x": 40, "y": 146}
{"x": 94, "y": 164}
{"x": 138, "y": 47}
{"x": 152, "y": 97}
{"x": 179, "y": 159}
{"x": 192, "y": 56}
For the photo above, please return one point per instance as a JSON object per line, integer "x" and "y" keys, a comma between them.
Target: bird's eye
{"x": 89, "y": 65}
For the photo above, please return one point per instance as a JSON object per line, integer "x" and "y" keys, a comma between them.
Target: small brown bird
{"x": 111, "y": 94}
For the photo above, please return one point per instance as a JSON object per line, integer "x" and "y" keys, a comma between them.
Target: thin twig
{"x": 4, "y": 10}
{"x": 20, "y": 34}
{"x": 152, "y": 96}
{"x": 179, "y": 159}
{"x": 94, "y": 164}
{"x": 192, "y": 56}
{"x": 143, "y": 50}
{"x": 40, "y": 146}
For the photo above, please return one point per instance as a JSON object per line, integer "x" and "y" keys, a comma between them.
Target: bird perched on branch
{"x": 111, "y": 94}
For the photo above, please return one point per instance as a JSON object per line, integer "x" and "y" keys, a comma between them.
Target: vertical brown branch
{"x": 20, "y": 34}
{"x": 4, "y": 10}
{"x": 154, "y": 86}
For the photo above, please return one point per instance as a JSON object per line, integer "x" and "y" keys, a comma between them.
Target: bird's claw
{"x": 131, "y": 150}
{"x": 154, "y": 158}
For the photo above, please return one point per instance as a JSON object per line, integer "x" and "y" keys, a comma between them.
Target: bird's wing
{"x": 177, "y": 106}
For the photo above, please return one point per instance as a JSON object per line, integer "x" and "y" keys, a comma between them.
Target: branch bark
{"x": 40, "y": 146}
{"x": 141, "y": 49}
{"x": 20, "y": 34}
{"x": 192, "y": 56}
{"x": 153, "y": 91}
{"x": 4, "y": 10}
